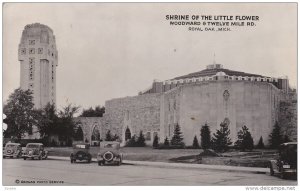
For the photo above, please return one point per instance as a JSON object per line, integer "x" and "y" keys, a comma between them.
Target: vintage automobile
{"x": 81, "y": 151}
{"x": 35, "y": 150}
{"x": 109, "y": 153}
{"x": 286, "y": 164}
{"x": 12, "y": 150}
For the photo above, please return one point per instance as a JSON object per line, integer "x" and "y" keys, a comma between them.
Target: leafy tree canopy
{"x": 20, "y": 114}
{"x": 97, "y": 112}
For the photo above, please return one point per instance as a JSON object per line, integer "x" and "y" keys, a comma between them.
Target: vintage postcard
{"x": 150, "y": 94}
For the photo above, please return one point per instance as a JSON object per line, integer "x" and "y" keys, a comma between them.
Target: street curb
{"x": 186, "y": 166}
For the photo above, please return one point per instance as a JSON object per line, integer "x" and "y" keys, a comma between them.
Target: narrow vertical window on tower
{"x": 52, "y": 72}
{"x": 31, "y": 68}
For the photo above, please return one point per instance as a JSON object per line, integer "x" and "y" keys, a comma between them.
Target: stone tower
{"x": 38, "y": 59}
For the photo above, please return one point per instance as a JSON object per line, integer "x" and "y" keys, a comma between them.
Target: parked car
{"x": 81, "y": 151}
{"x": 35, "y": 150}
{"x": 12, "y": 150}
{"x": 109, "y": 153}
{"x": 286, "y": 164}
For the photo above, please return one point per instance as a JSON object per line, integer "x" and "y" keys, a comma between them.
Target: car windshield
{"x": 32, "y": 146}
{"x": 11, "y": 146}
{"x": 81, "y": 146}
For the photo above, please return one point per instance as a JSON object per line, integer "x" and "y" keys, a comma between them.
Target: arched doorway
{"x": 95, "y": 137}
{"x": 127, "y": 134}
{"x": 78, "y": 134}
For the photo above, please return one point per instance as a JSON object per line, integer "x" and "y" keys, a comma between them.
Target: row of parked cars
{"x": 109, "y": 152}
{"x": 284, "y": 165}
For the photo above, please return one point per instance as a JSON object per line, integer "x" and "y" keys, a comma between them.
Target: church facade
{"x": 211, "y": 96}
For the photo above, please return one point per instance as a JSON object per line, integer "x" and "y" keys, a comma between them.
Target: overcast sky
{"x": 114, "y": 50}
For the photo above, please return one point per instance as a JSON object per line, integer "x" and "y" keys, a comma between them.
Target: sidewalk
{"x": 184, "y": 165}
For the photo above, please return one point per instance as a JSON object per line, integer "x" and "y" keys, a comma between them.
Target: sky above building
{"x": 112, "y": 50}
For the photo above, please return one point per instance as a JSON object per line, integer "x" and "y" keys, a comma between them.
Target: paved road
{"x": 45, "y": 172}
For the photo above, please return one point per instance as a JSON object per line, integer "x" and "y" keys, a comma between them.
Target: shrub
{"x": 205, "y": 137}
{"x": 245, "y": 140}
{"x": 260, "y": 144}
{"x": 275, "y": 137}
{"x": 196, "y": 143}
{"x": 131, "y": 142}
{"x": 115, "y": 137}
{"x": 136, "y": 141}
{"x": 221, "y": 139}
{"x": 166, "y": 142}
{"x": 108, "y": 136}
{"x": 141, "y": 140}
{"x": 155, "y": 141}
{"x": 177, "y": 138}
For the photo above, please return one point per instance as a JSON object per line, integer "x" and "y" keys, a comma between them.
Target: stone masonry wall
{"x": 138, "y": 113}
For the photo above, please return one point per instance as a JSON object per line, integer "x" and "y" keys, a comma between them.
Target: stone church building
{"x": 210, "y": 96}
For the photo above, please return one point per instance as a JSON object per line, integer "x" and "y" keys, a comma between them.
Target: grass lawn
{"x": 133, "y": 153}
{"x": 256, "y": 158}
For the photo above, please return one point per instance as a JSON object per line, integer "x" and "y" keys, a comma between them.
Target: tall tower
{"x": 38, "y": 59}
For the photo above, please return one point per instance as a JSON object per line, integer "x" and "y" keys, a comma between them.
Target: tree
{"x": 115, "y": 137}
{"x": 66, "y": 123}
{"x": 205, "y": 137}
{"x": 260, "y": 144}
{"x": 166, "y": 142}
{"x": 155, "y": 141}
{"x": 48, "y": 121}
{"x": 221, "y": 139}
{"x": 177, "y": 138}
{"x": 97, "y": 112}
{"x": 108, "y": 136}
{"x": 20, "y": 114}
{"x": 275, "y": 138}
{"x": 196, "y": 143}
{"x": 131, "y": 142}
{"x": 141, "y": 140}
{"x": 286, "y": 139}
{"x": 245, "y": 140}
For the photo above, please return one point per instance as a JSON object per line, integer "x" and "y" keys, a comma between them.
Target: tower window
{"x": 31, "y": 42}
{"x": 31, "y": 86}
{"x": 31, "y": 51}
{"x": 31, "y": 68}
{"x": 23, "y": 51}
{"x": 40, "y": 50}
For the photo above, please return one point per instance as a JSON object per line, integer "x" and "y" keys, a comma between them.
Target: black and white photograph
{"x": 150, "y": 94}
